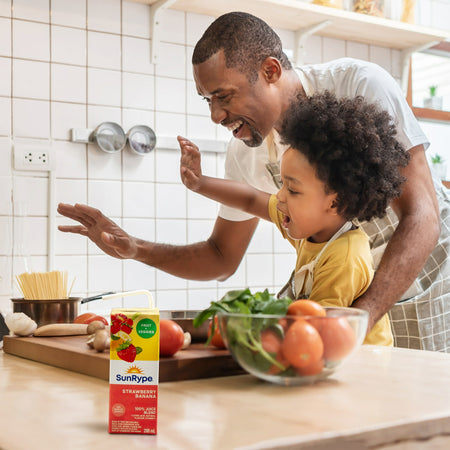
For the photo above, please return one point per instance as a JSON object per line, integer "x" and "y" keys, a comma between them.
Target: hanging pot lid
{"x": 109, "y": 136}
{"x": 141, "y": 139}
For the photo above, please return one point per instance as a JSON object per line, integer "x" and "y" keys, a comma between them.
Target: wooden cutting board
{"x": 72, "y": 353}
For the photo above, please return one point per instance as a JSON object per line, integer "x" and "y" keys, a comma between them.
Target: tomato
{"x": 171, "y": 337}
{"x": 312, "y": 369}
{"x": 99, "y": 318}
{"x": 216, "y": 340}
{"x": 302, "y": 344}
{"x": 338, "y": 338}
{"x": 305, "y": 308}
{"x": 274, "y": 370}
{"x": 270, "y": 340}
{"x": 83, "y": 317}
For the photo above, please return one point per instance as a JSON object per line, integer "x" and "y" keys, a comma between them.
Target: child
{"x": 343, "y": 163}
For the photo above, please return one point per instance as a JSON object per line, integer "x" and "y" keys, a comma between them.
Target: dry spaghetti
{"x": 44, "y": 285}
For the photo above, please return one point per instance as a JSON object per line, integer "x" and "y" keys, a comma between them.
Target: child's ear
{"x": 333, "y": 205}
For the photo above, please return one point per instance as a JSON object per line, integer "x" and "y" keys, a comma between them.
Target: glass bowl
{"x": 293, "y": 350}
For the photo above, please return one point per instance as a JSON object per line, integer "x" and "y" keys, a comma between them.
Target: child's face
{"x": 308, "y": 209}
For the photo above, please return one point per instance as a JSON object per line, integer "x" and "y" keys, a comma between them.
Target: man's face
{"x": 248, "y": 110}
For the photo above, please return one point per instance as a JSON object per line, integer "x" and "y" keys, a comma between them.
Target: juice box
{"x": 134, "y": 370}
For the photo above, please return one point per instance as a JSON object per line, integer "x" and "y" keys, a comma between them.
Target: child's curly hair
{"x": 352, "y": 145}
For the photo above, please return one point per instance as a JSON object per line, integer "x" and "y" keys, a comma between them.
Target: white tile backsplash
{"x": 67, "y": 244}
{"x": 138, "y": 276}
{"x": 199, "y": 299}
{"x": 104, "y": 16}
{"x": 171, "y": 125}
{"x": 5, "y": 198}
{"x": 195, "y": 26}
{"x": 170, "y": 201}
{"x": 103, "y": 165}
{"x": 199, "y": 207}
{"x": 104, "y": 87}
{"x": 138, "y": 91}
{"x": 199, "y": 127}
{"x": 6, "y": 236}
{"x": 30, "y": 236}
{"x": 106, "y": 195}
{"x": 136, "y": 55}
{"x": 170, "y": 95}
{"x": 171, "y": 300}
{"x": 68, "y": 45}
{"x": 173, "y": 26}
{"x": 98, "y": 114}
{"x": 77, "y": 273}
{"x": 135, "y": 20}
{"x": 31, "y": 79}
{"x": 171, "y": 61}
{"x": 5, "y": 37}
{"x": 5, "y": 8}
{"x": 68, "y": 83}
{"x": 6, "y": 278}
{"x": 5, "y": 81}
{"x": 69, "y": 13}
{"x": 32, "y": 191}
{"x": 37, "y": 10}
{"x": 31, "y": 118}
{"x": 31, "y": 40}
{"x": 138, "y": 199}
{"x": 100, "y": 70}
{"x": 64, "y": 117}
{"x": 167, "y": 165}
{"x": 104, "y": 50}
{"x": 105, "y": 275}
{"x": 5, "y": 114}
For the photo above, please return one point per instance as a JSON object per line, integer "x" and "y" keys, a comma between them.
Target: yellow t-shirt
{"x": 342, "y": 273}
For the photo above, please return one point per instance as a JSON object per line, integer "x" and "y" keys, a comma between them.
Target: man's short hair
{"x": 246, "y": 41}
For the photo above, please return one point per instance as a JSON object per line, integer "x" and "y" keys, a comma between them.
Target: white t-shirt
{"x": 344, "y": 77}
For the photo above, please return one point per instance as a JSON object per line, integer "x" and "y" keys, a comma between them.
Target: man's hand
{"x": 190, "y": 164}
{"x": 108, "y": 236}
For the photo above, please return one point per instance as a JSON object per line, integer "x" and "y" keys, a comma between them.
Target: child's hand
{"x": 190, "y": 167}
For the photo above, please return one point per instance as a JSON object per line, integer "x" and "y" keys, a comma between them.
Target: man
{"x": 241, "y": 71}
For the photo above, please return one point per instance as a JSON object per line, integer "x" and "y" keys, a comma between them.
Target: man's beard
{"x": 256, "y": 137}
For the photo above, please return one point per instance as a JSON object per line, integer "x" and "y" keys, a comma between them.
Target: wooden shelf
{"x": 345, "y": 25}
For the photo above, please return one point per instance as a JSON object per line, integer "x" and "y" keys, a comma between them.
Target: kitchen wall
{"x": 76, "y": 63}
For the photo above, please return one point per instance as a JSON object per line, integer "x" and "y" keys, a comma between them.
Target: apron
{"x": 304, "y": 275}
{"x": 273, "y": 166}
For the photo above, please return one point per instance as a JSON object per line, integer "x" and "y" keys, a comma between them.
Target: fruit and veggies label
{"x": 133, "y": 371}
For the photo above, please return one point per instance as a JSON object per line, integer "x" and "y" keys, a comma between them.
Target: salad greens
{"x": 246, "y": 331}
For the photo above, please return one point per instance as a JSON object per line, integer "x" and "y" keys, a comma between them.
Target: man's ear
{"x": 271, "y": 69}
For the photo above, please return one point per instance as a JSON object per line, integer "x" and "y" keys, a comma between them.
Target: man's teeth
{"x": 235, "y": 125}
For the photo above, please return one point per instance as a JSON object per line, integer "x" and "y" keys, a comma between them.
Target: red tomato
{"x": 216, "y": 340}
{"x": 95, "y": 317}
{"x": 338, "y": 338}
{"x": 83, "y": 317}
{"x": 302, "y": 344}
{"x": 274, "y": 370}
{"x": 271, "y": 341}
{"x": 312, "y": 369}
{"x": 305, "y": 308}
{"x": 171, "y": 337}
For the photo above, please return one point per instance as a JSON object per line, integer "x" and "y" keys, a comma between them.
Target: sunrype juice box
{"x": 133, "y": 370}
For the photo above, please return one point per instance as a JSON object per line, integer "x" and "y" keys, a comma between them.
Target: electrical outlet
{"x": 33, "y": 157}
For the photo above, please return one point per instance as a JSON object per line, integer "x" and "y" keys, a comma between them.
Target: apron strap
{"x": 273, "y": 166}
{"x": 304, "y": 275}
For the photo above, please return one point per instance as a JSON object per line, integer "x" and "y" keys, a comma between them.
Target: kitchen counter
{"x": 388, "y": 398}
